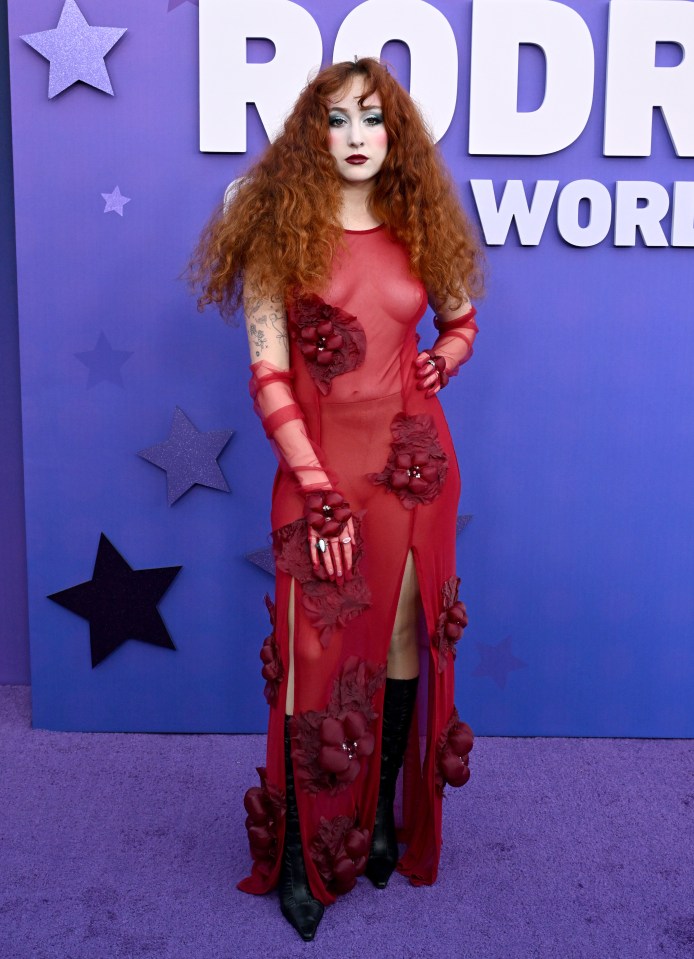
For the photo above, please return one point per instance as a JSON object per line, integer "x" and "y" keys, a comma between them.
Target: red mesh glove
{"x": 434, "y": 367}
{"x": 285, "y": 427}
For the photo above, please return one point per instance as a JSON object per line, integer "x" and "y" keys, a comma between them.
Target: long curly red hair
{"x": 281, "y": 222}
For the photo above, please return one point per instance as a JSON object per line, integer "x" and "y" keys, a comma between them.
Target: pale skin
{"x": 354, "y": 129}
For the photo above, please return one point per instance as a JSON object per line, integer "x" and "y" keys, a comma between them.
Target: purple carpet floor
{"x": 130, "y": 845}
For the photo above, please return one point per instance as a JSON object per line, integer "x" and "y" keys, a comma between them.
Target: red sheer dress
{"x": 347, "y": 414}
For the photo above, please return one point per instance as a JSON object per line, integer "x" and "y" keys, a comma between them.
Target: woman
{"x": 335, "y": 241}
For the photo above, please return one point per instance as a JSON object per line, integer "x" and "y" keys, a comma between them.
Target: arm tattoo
{"x": 273, "y": 316}
{"x": 258, "y": 338}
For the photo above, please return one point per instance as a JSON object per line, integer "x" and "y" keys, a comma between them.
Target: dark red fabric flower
{"x": 326, "y": 512}
{"x": 291, "y": 551}
{"x": 417, "y": 464}
{"x": 329, "y": 746}
{"x": 451, "y": 622}
{"x": 452, "y": 749}
{"x": 331, "y": 341}
{"x": 328, "y": 604}
{"x": 273, "y": 669}
{"x": 340, "y": 851}
{"x": 440, "y": 366}
{"x": 266, "y": 806}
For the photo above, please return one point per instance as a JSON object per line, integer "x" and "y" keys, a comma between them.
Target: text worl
{"x": 586, "y": 213}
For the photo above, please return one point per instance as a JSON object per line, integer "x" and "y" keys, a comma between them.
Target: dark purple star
{"x": 497, "y": 661}
{"x": 189, "y": 457}
{"x": 120, "y": 602}
{"x": 104, "y": 363}
{"x": 76, "y": 51}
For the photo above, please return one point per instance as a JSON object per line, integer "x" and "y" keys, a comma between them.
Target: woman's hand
{"x": 337, "y": 557}
{"x": 430, "y": 371}
{"x": 330, "y": 533}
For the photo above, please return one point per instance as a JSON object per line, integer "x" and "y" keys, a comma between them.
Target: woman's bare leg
{"x": 403, "y": 654}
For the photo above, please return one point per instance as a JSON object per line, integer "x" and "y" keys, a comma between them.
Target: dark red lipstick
{"x": 357, "y": 158}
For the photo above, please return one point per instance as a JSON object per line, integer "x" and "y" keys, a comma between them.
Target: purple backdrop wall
{"x": 573, "y": 421}
{"x": 14, "y": 631}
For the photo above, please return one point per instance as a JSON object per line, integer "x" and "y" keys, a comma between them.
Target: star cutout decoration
{"x": 461, "y": 522}
{"x": 264, "y": 559}
{"x": 497, "y": 661}
{"x": 104, "y": 362}
{"x": 76, "y": 51}
{"x": 120, "y": 602}
{"x": 115, "y": 201}
{"x": 177, "y": 3}
{"x": 189, "y": 457}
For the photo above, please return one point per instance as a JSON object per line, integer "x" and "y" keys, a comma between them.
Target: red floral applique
{"x": 332, "y": 341}
{"x": 328, "y": 604}
{"x": 417, "y": 464}
{"x": 452, "y": 749}
{"x": 330, "y": 746}
{"x": 273, "y": 669}
{"x": 451, "y": 622}
{"x": 266, "y": 807}
{"x": 340, "y": 851}
{"x": 327, "y": 512}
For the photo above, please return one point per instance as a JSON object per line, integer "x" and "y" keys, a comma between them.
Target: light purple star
{"x": 497, "y": 661}
{"x": 104, "y": 362}
{"x": 264, "y": 559}
{"x": 115, "y": 201}
{"x": 189, "y": 457}
{"x": 177, "y": 3}
{"x": 76, "y": 50}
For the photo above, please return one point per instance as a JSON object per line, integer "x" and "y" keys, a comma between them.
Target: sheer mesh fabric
{"x": 284, "y": 424}
{"x": 353, "y": 425}
{"x": 455, "y": 340}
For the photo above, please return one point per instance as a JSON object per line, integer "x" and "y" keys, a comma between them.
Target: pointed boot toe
{"x": 305, "y": 917}
{"x": 379, "y": 872}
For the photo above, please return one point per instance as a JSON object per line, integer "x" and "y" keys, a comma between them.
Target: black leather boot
{"x": 296, "y": 901}
{"x": 398, "y": 706}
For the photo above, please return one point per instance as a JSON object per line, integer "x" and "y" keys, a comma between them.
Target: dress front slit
{"x": 392, "y": 451}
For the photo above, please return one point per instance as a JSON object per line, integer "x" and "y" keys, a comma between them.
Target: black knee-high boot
{"x": 398, "y": 706}
{"x": 296, "y": 900}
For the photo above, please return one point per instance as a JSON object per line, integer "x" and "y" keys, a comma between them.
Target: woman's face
{"x": 358, "y": 138}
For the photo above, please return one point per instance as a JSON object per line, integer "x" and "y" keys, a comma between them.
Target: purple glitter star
{"x": 115, "y": 201}
{"x": 497, "y": 661}
{"x": 104, "y": 362}
{"x": 76, "y": 51}
{"x": 461, "y": 522}
{"x": 189, "y": 457}
{"x": 177, "y": 3}
{"x": 264, "y": 559}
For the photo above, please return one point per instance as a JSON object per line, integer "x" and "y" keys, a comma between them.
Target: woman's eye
{"x": 374, "y": 119}
{"x": 336, "y": 121}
